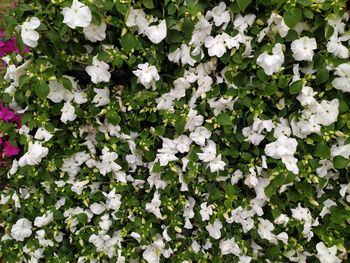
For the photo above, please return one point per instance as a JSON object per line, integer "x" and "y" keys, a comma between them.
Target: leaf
{"x": 243, "y": 4}
{"x": 148, "y": 4}
{"x": 271, "y": 88}
{"x": 328, "y": 31}
{"x": 129, "y": 41}
{"x": 339, "y": 162}
{"x": 296, "y": 87}
{"x": 304, "y": 2}
{"x": 322, "y": 76}
{"x": 322, "y": 150}
{"x": 224, "y": 119}
{"x": 41, "y": 89}
{"x": 292, "y": 17}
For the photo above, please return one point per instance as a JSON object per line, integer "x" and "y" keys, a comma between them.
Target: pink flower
{"x": 10, "y": 150}
{"x": 6, "y": 114}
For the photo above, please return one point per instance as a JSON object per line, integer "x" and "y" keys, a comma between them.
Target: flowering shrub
{"x": 179, "y": 131}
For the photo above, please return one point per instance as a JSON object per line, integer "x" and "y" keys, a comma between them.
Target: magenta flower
{"x": 10, "y": 150}
{"x": 9, "y": 46}
{"x": 6, "y": 114}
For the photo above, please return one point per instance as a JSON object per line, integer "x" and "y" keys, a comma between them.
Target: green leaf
{"x": 271, "y": 88}
{"x": 180, "y": 125}
{"x": 296, "y": 87}
{"x": 129, "y": 41}
{"x": 148, "y": 4}
{"x": 82, "y": 218}
{"x": 322, "y": 76}
{"x": 304, "y": 2}
{"x": 322, "y": 150}
{"x": 292, "y": 17}
{"x": 41, "y": 89}
{"x": 224, "y": 119}
{"x": 243, "y": 4}
{"x": 339, "y": 162}
{"x": 328, "y": 32}
{"x": 58, "y": 215}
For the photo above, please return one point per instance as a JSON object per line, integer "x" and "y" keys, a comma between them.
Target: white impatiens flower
{"x": 303, "y": 48}
{"x": 271, "y": 63}
{"x": 157, "y": 33}
{"x": 137, "y": 17}
{"x": 78, "y": 15}
{"x": 95, "y": 33}
{"x": 58, "y": 92}
{"x": 154, "y": 206}
{"x": 193, "y": 120}
{"x": 107, "y": 163}
{"x": 34, "y": 154}
{"x": 229, "y": 246}
{"x": 217, "y": 46}
{"x": 43, "y": 134}
{"x": 284, "y": 148}
{"x": 44, "y": 220}
{"x": 146, "y": 75}
{"x": 327, "y": 255}
{"x": 343, "y": 81}
{"x": 219, "y": 14}
{"x": 338, "y": 49}
{"x": 98, "y": 71}
{"x": 214, "y": 230}
{"x": 68, "y": 112}
{"x": 102, "y": 97}
{"x": 200, "y": 134}
{"x": 29, "y": 35}
{"x": 22, "y": 229}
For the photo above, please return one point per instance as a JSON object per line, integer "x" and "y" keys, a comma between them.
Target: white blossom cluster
{"x": 195, "y": 160}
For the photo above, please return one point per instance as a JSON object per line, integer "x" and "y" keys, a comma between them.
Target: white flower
{"x": 219, "y": 14}
{"x": 343, "y": 81}
{"x": 102, "y": 97}
{"x": 137, "y": 17}
{"x": 271, "y": 63}
{"x": 154, "y": 251}
{"x": 326, "y": 205}
{"x": 281, "y": 147}
{"x": 183, "y": 143}
{"x": 154, "y": 206}
{"x": 29, "y": 35}
{"x": 301, "y": 214}
{"x": 182, "y": 53}
{"x": 200, "y": 134}
{"x": 282, "y": 219}
{"x": 265, "y": 228}
{"x": 98, "y": 71}
{"x": 229, "y": 246}
{"x": 107, "y": 164}
{"x": 157, "y": 33}
{"x": 338, "y": 49}
{"x": 193, "y": 120}
{"x": 113, "y": 200}
{"x": 43, "y": 134}
{"x": 34, "y": 154}
{"x": 241, "y": 23}
{"x": 303, "y": 48}
{"x": 274, "y": 24}
{"x": 22, "y": 229}
{"x": 206, "y": 211}
{"x": 147, "y": 75}
{"x": 327, "y": 255}
{"x": 209, "y": 152}
{"x": 58, "y": 92}
{"x": 95, "y": 33}
{"x": 214, "y": 230}
{"x": 44, "y": 220}
{"x": 13, "y": 73}
{"x": 68, "y": 112}
{"x": 217, "y": 164}
{"x": 97, "y": 208}
{"x": 217, "y": 46}
{"x": 78, "y": 15}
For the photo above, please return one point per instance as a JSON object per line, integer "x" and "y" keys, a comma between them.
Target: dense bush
{"x": 177, "y": 131}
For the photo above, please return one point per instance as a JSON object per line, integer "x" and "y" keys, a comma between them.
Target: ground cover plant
{"x": 175, "y": 131}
